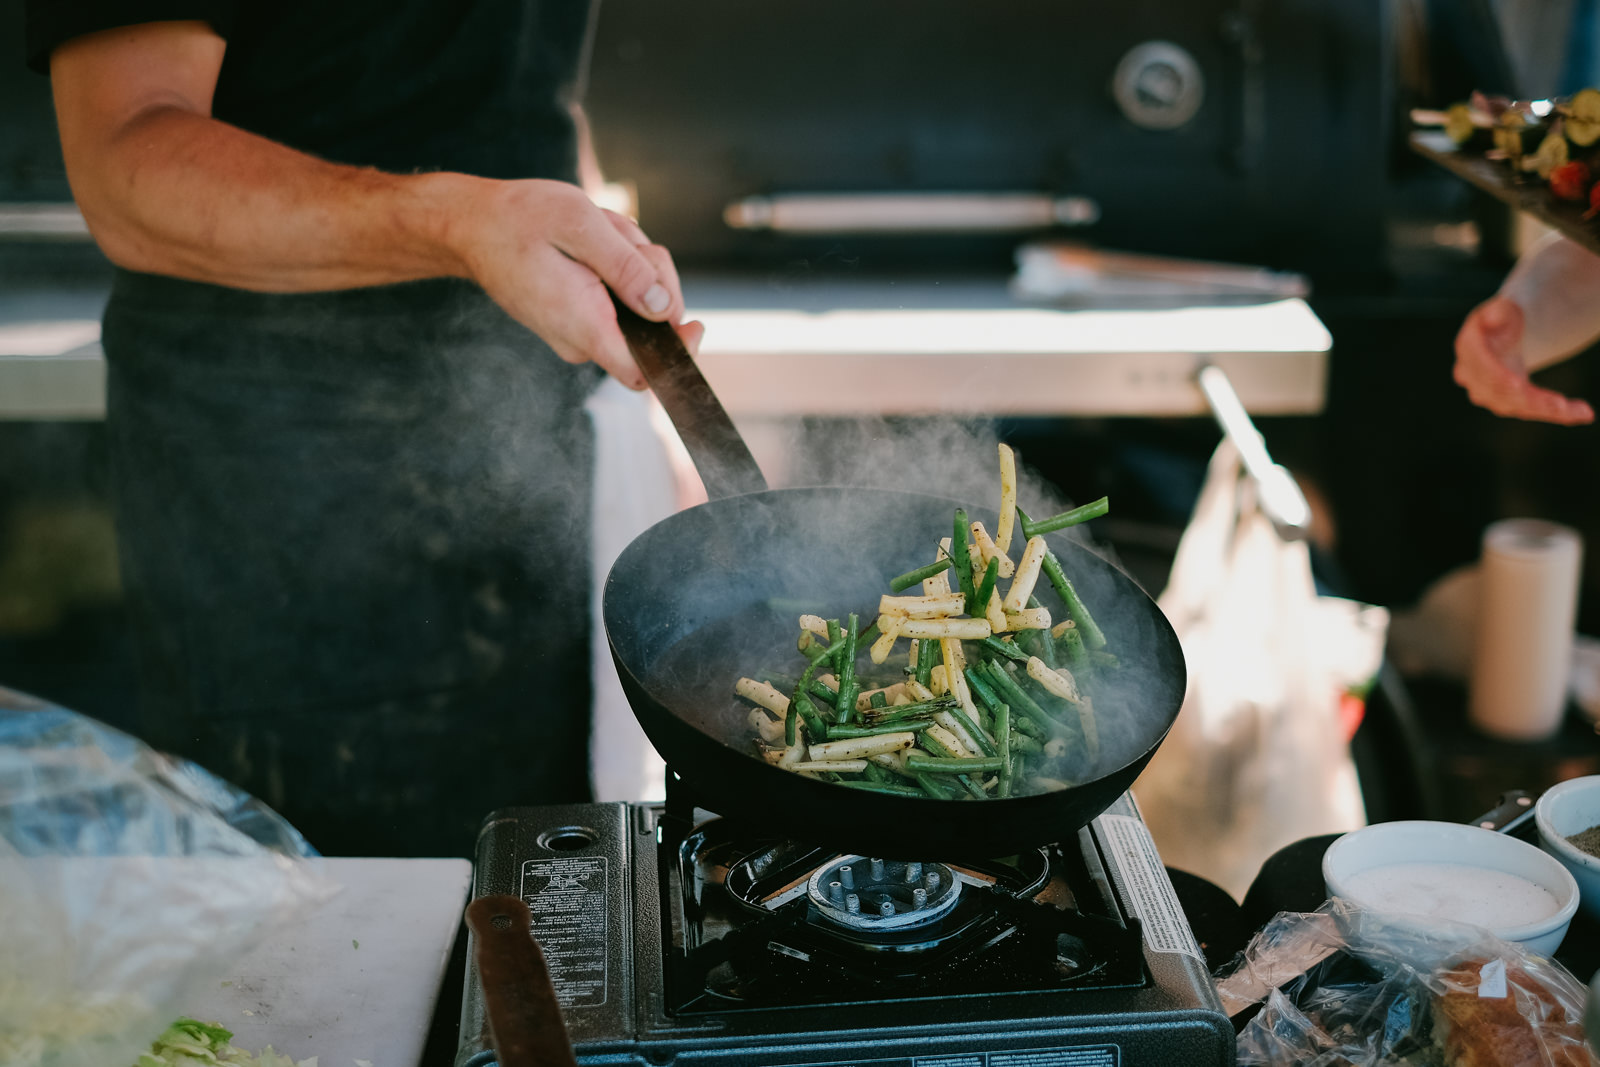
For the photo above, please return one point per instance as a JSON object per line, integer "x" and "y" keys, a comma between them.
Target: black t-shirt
{"x": 479, "y": 86}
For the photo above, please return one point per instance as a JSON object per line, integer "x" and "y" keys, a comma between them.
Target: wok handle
{"x": 524, "y": 1016}
{"x": 720, "y": 455}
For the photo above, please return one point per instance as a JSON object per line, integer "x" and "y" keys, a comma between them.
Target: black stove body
{"x": 676, "y": 937}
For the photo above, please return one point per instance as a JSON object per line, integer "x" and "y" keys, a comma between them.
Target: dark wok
{"x": 689, "y": 608}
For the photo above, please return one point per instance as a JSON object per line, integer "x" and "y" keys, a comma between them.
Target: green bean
{"x": 1024, "y": 725}
{"x": 1002, "y": 736}
{"x": 971, "y": 727}
{"x": 1092, "y": 510}
{"x": 874, "y": 731}
{"x": 799, "y": 693}
{"x": 878, "y": 700}
{"x": 1021, "y": 742}
{"x": 953, "y": 765}
{"x": 932, "y": 745}
{"x": 869, "y": 635}
{"x": 847, "y": 671}
{"x": 935, "y": 788}
{"x": 927, "y": 657}
{"x": 1072, "y": 647}
{"x": 980, "y": 689}
{"x": 1101, "y": 658}
{"x": 1092, "y": 637}
{"x": 875, "y": 773}
{"x": 1008, "y": 690}
{"x": 816, "y": 728}
{"x": 882, "y": 787}
{"x": 911, "y": 578}
{"x": 958, "y": 549}
{"x": 980, "y": 599}
{"x": 1008, "y": 649}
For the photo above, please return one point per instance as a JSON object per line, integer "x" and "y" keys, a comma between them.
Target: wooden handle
{"x": 524, "y": 1016}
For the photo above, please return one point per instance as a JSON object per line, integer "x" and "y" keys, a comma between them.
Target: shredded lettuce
{"x": 192, "y": 1043}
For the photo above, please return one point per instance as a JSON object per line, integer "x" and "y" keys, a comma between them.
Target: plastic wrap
{"x": 127, "y": 881}
{"x": 1342, "y": 986}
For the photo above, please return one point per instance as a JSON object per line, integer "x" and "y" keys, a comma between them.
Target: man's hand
{"x": 548, "y": 255}
{"x": 1491, "y": 368}
{"x": 167, "y": 189}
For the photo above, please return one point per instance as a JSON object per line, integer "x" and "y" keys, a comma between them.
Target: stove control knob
{"x": 1158, "y": 85}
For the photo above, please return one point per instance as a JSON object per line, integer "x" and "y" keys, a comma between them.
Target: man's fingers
{"x": 584, "y": 324}
{"x": 627, "y": 227}
{"x": 691, "y": 333}
{"x": 596, "y": 243}
{"x": 667, "y": 273}
{"x": 659, "y": 257}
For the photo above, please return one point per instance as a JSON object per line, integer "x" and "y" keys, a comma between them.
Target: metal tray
{"x": 1494, "y": 178}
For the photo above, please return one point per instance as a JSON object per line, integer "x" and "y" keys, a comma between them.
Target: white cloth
{"x": 635, "y": 486}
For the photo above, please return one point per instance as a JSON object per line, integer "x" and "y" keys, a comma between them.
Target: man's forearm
{"x": 179, "y": 193}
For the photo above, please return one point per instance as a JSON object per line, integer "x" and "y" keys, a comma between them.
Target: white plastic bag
{"x": 1258, "y": 757}
{"x": 128, "y": 880}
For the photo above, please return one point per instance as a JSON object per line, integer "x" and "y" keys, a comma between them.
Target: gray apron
{"x": 354, "y": 532}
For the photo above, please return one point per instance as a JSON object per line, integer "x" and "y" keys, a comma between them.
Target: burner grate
{"x": 764, "y": 924}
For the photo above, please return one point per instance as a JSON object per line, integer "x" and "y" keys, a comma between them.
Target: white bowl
{"x": 1391, "y": 843}
{"x": 1565, "y": 809}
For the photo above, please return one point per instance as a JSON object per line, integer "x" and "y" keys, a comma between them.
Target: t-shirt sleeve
{"x": 52, "y": 22}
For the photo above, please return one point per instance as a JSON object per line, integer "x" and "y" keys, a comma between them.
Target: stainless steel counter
{"x": 780, "y": 348}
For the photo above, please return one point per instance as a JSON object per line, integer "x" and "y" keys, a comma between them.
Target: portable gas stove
{"x": 677, "y": 937}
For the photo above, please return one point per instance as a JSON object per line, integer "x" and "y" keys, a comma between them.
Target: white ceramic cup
{"x": 1566, "y": 809}
{"x": 1392, "y": 843}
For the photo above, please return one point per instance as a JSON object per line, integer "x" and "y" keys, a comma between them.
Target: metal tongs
{"x": 1280, "y": 497}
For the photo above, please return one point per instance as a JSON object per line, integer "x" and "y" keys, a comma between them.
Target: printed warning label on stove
{"x": 568, "y": 900}
{"x": 1080, "y": 1056}
{"x": 1146, "y": 885}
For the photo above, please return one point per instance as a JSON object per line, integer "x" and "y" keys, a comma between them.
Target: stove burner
{"x": 875, "y": 894}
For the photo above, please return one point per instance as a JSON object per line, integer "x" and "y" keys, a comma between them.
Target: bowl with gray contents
{"x": 1568, "y": 818}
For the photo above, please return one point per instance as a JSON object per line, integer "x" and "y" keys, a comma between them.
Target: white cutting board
{"x": 355, "y": 980}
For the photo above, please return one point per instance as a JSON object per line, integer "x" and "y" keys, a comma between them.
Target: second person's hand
{"x": 1490, "y": 367}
